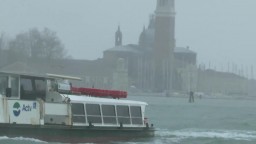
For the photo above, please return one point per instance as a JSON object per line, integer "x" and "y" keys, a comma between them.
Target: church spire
{"x": 118, "y": 37}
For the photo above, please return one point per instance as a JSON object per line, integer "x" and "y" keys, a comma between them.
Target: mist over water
{"x": 205, "y": 121}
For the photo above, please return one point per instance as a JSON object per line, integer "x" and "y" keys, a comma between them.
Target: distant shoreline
{"x": 213, "y": 96}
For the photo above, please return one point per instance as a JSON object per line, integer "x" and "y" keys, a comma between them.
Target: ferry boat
{"x": 48, "y": 108}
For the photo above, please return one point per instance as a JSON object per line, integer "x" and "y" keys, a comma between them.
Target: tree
{"x": 19, "y": 48}
{"x": 38, "y": 44}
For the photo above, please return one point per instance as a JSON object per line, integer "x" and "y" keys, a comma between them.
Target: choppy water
{"x": 207, "y": 121}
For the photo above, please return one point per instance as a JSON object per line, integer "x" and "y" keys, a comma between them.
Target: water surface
{"x": 207, "y": 121}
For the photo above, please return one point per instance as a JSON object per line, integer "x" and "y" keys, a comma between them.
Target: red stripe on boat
{"x": 100, "y": 92}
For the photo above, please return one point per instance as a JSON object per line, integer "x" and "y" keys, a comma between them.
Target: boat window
{"x": 109, "y": 114}
{"x": 78, "y": 113}
{"x": 26, "y": 84}
{"x": 3, "y": 84}
{"x": 93, "y": 113}
{"x": 136, "y": 115}
{"x": 78, "y": 119}
{"x": 52, "y": 85}
{"x": 123, "y": 114}
{"x": 109, "y": 120}
{"x": 40, "y": 85}
{"x": 108, "y": 110}
{"x": 135, "y": 111}
{"x": 123, "y": 111}
{"x": 40, "y": 88}
{"x": 78, "y": 109}
{"x": 15, "y": 86}
{"x": 93, "y": 109}
{"x": 94, "y": 119}
{"x": 26, "y": 88}
{"x": 32, "y": 88}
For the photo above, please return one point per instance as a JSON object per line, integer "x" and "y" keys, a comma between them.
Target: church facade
{"x": 155, "y": 64}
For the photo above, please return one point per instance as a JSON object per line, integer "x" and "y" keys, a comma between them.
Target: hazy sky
{"x": 220, "y": 31}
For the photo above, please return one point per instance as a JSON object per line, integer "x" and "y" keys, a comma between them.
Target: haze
{"x": 220, "y": 31}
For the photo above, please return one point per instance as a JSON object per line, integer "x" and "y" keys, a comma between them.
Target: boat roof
{"x": 88, "y": 99}
{"x": 46, "y": 76}
{"x": 23, "y": 74}
{"x": 62, "y": 76}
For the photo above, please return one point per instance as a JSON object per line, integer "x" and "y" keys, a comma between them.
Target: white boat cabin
{"x": 38, "y": 100}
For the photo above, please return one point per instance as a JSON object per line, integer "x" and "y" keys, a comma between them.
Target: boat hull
{"x": 59, "y": 133}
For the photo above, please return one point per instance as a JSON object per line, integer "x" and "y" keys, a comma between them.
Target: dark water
{"x": 207, "y": 121}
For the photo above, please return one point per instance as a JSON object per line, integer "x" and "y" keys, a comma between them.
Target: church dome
{"x": 147, "y": 36}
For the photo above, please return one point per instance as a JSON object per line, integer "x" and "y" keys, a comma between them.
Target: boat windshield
{"x": 3, "y": 84}
{"x": 32, "y": 88}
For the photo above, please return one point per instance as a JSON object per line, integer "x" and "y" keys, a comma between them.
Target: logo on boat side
{"x": 16, "y": 109}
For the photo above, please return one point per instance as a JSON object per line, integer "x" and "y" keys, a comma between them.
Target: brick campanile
{"x": 164, "y": 45}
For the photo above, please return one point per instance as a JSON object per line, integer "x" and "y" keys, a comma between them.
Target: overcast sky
{"x": 220, "y": 31}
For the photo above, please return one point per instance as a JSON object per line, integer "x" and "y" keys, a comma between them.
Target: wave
{"x": 21, "y": 139}
{"x": 199, "y": 133}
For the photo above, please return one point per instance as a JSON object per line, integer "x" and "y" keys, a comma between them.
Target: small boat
{"x": 47, "y": 107}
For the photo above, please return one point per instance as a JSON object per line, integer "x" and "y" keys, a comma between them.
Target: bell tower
{"x": 118, "y": 37}
{"x": 164, "y": 45}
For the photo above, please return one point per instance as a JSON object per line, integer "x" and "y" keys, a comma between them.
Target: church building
{"x": 155, "y": 64}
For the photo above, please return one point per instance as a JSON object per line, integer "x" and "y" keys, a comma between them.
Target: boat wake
{"x": 32, "y": 140}
{"x": 179, "y": 135}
